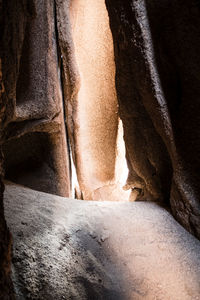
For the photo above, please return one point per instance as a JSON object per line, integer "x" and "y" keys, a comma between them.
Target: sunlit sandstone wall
{"x": 97, "y": 108}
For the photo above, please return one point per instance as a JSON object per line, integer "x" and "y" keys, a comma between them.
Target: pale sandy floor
{"x": 72, "y": 249}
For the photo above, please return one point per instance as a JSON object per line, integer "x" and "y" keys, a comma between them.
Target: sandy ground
{"x": 73, "y": 249}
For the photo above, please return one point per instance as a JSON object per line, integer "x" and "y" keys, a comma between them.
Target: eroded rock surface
{"x": 86, "y": 45}
{"x": 32, "y": 131}
{"x": 6, "y": 288}
{"x": 72, "y": 249}
{"x": 157, "y": 75}
{"x": 35, "y": 147}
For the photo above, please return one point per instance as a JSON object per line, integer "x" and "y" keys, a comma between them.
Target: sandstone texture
{"x": 156, "y": 45}
{"x": 76, "y": 76}
{"x": 6, "y": 288}
{"x": 72, "y": 249}
{"x": 32, "y": 135}
{"x": 86, "y": 46}
{"x": 35, "y": 147}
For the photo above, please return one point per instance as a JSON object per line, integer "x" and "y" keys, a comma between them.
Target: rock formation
{"x": 157, "y": 75}
{"x": 90, "y": 97}
{"x": 6, "y": 288}
{"x": 66, "y": 249}
{"x": 35, "y": 147}
{"x": 32, "y": 133}
{"x": 68, "y": 70}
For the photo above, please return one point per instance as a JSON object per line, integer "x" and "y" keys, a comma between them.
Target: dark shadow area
{"x": 29, "y": 161}
{"x": 176, "y": 50}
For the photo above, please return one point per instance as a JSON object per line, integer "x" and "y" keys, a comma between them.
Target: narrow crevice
{"x": 60, "y": 72}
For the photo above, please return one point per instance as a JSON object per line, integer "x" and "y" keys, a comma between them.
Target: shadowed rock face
{"x": 35, "y": 148}
{"x": 157, "y": 60}
{"x": 8, "y": 73}
{"x": 31, "y": 114}
{"x": 6, "y": 289}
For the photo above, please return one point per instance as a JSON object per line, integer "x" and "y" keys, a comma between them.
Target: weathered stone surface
{"x": 86, "y": 46}
{"x": 10, "y": 39}
{"x": 30, "y": 107}
{"x": 97, "y": 116}
{"x": 6, "y": 288}
{"x": 35, "y": 117}
{"x": 156, "y": 48}
{"x": 72, "y": 249}
{"x": 157, "y": 60}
